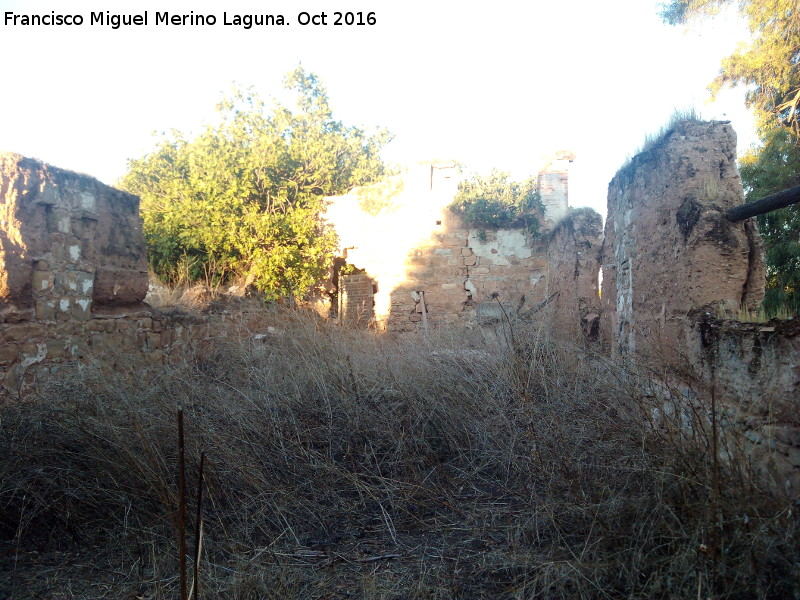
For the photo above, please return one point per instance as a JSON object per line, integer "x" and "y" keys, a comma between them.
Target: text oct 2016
{"x": 246, "y": 21}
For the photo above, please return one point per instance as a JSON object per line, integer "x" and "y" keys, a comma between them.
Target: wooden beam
{"x": 765, "y": 205}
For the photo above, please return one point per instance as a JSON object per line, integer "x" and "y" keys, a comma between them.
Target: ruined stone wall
{"x": 573, "y": 258}
{"x": 753, "y": 370}
{"x": 68, "y": 244}
{"x": 402, "y": 234}
{"x": 73, "y": 275}
{"x": 466, "y": 275}
{"x": 668, "y": 247}
{"x": 32, "y": 352}
{"x": 675, "y": 272}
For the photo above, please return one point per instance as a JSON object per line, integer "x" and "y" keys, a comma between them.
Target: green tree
{"x": 771, "y": 168}
{"x": 244, "y": 199}
{"x": 489, "y": 202}
{"x": 769, "y": 67}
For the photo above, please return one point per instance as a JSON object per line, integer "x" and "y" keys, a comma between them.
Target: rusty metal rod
{"x": 181, "y": 506}
{"x": 198, "y": 535}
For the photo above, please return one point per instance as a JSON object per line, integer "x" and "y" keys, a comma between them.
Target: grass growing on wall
{"x": 341, "y": 464}
{"x": 651, "y": 140}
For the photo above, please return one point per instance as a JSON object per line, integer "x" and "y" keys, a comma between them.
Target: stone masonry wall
{"x": 675, "y": 272}
{"x": 668, "y": 247}
{"x": 32, "y": 352}
{"x": 466, "y": 274}
{"x": 753, "y": 370}
{"x": 73, "y": 275}
{"x": 68, "y": 244}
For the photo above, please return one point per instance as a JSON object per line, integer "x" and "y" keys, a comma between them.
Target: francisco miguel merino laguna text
{"x": 115, "y": 21}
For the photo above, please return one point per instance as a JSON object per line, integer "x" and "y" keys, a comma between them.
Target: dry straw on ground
{"x": 345, "y": 464}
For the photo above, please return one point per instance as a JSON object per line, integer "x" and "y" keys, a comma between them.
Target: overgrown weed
{"x": 342, "y": 463}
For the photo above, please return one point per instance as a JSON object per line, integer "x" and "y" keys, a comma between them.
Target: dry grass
{"x": 343, "y": 464}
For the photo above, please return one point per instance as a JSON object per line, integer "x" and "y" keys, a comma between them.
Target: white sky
{"x": 490, "y": 84}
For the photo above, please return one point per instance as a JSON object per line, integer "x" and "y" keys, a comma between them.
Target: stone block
{"x": 31, "y": 349}
{"x": 58, "y": 221}
{"x": 87, "y": 202}
{"x": 24, "y": 331}
{"x": 99, "y": 342}
{"x": 56, "y": 348}
{"x": 119, "y": 287}
{"x": 80, "y": 283}
{"x": 63, "y": 309}
{"x": 98, "y": 325}
{"x": 80, "y": 309}
{"x": 8, "y": 353}
{"x": 45, "y": 310}
{"x": 58, "y": 252}
{"x": 42, "y": 282}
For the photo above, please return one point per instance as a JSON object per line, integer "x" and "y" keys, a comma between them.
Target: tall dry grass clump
{"x": 343, "y": 464}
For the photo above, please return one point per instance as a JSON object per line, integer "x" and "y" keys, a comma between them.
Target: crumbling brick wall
{"x": 73, "y": 275}
{"x": 402, "y": 234}
{"x": 754, "y": 372}
{"x": 466, "y": 274}
{"x": 68, "y": 244}
{"x": 356, "y": 299}
{"x": 32, "y": 352}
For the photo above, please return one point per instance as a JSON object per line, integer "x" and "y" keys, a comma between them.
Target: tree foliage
{"x": 244, "y": 199}
{"x": 769, "y": 67}
{"x": 489, "y": 202}
{"x": 773, "y": 167}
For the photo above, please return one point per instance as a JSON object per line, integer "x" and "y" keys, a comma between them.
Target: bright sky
{"x": 491, "y": 84}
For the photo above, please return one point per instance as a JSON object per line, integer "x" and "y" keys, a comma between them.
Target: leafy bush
{"x": 493, "y": 202}
{"x": 244, "y": 199}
